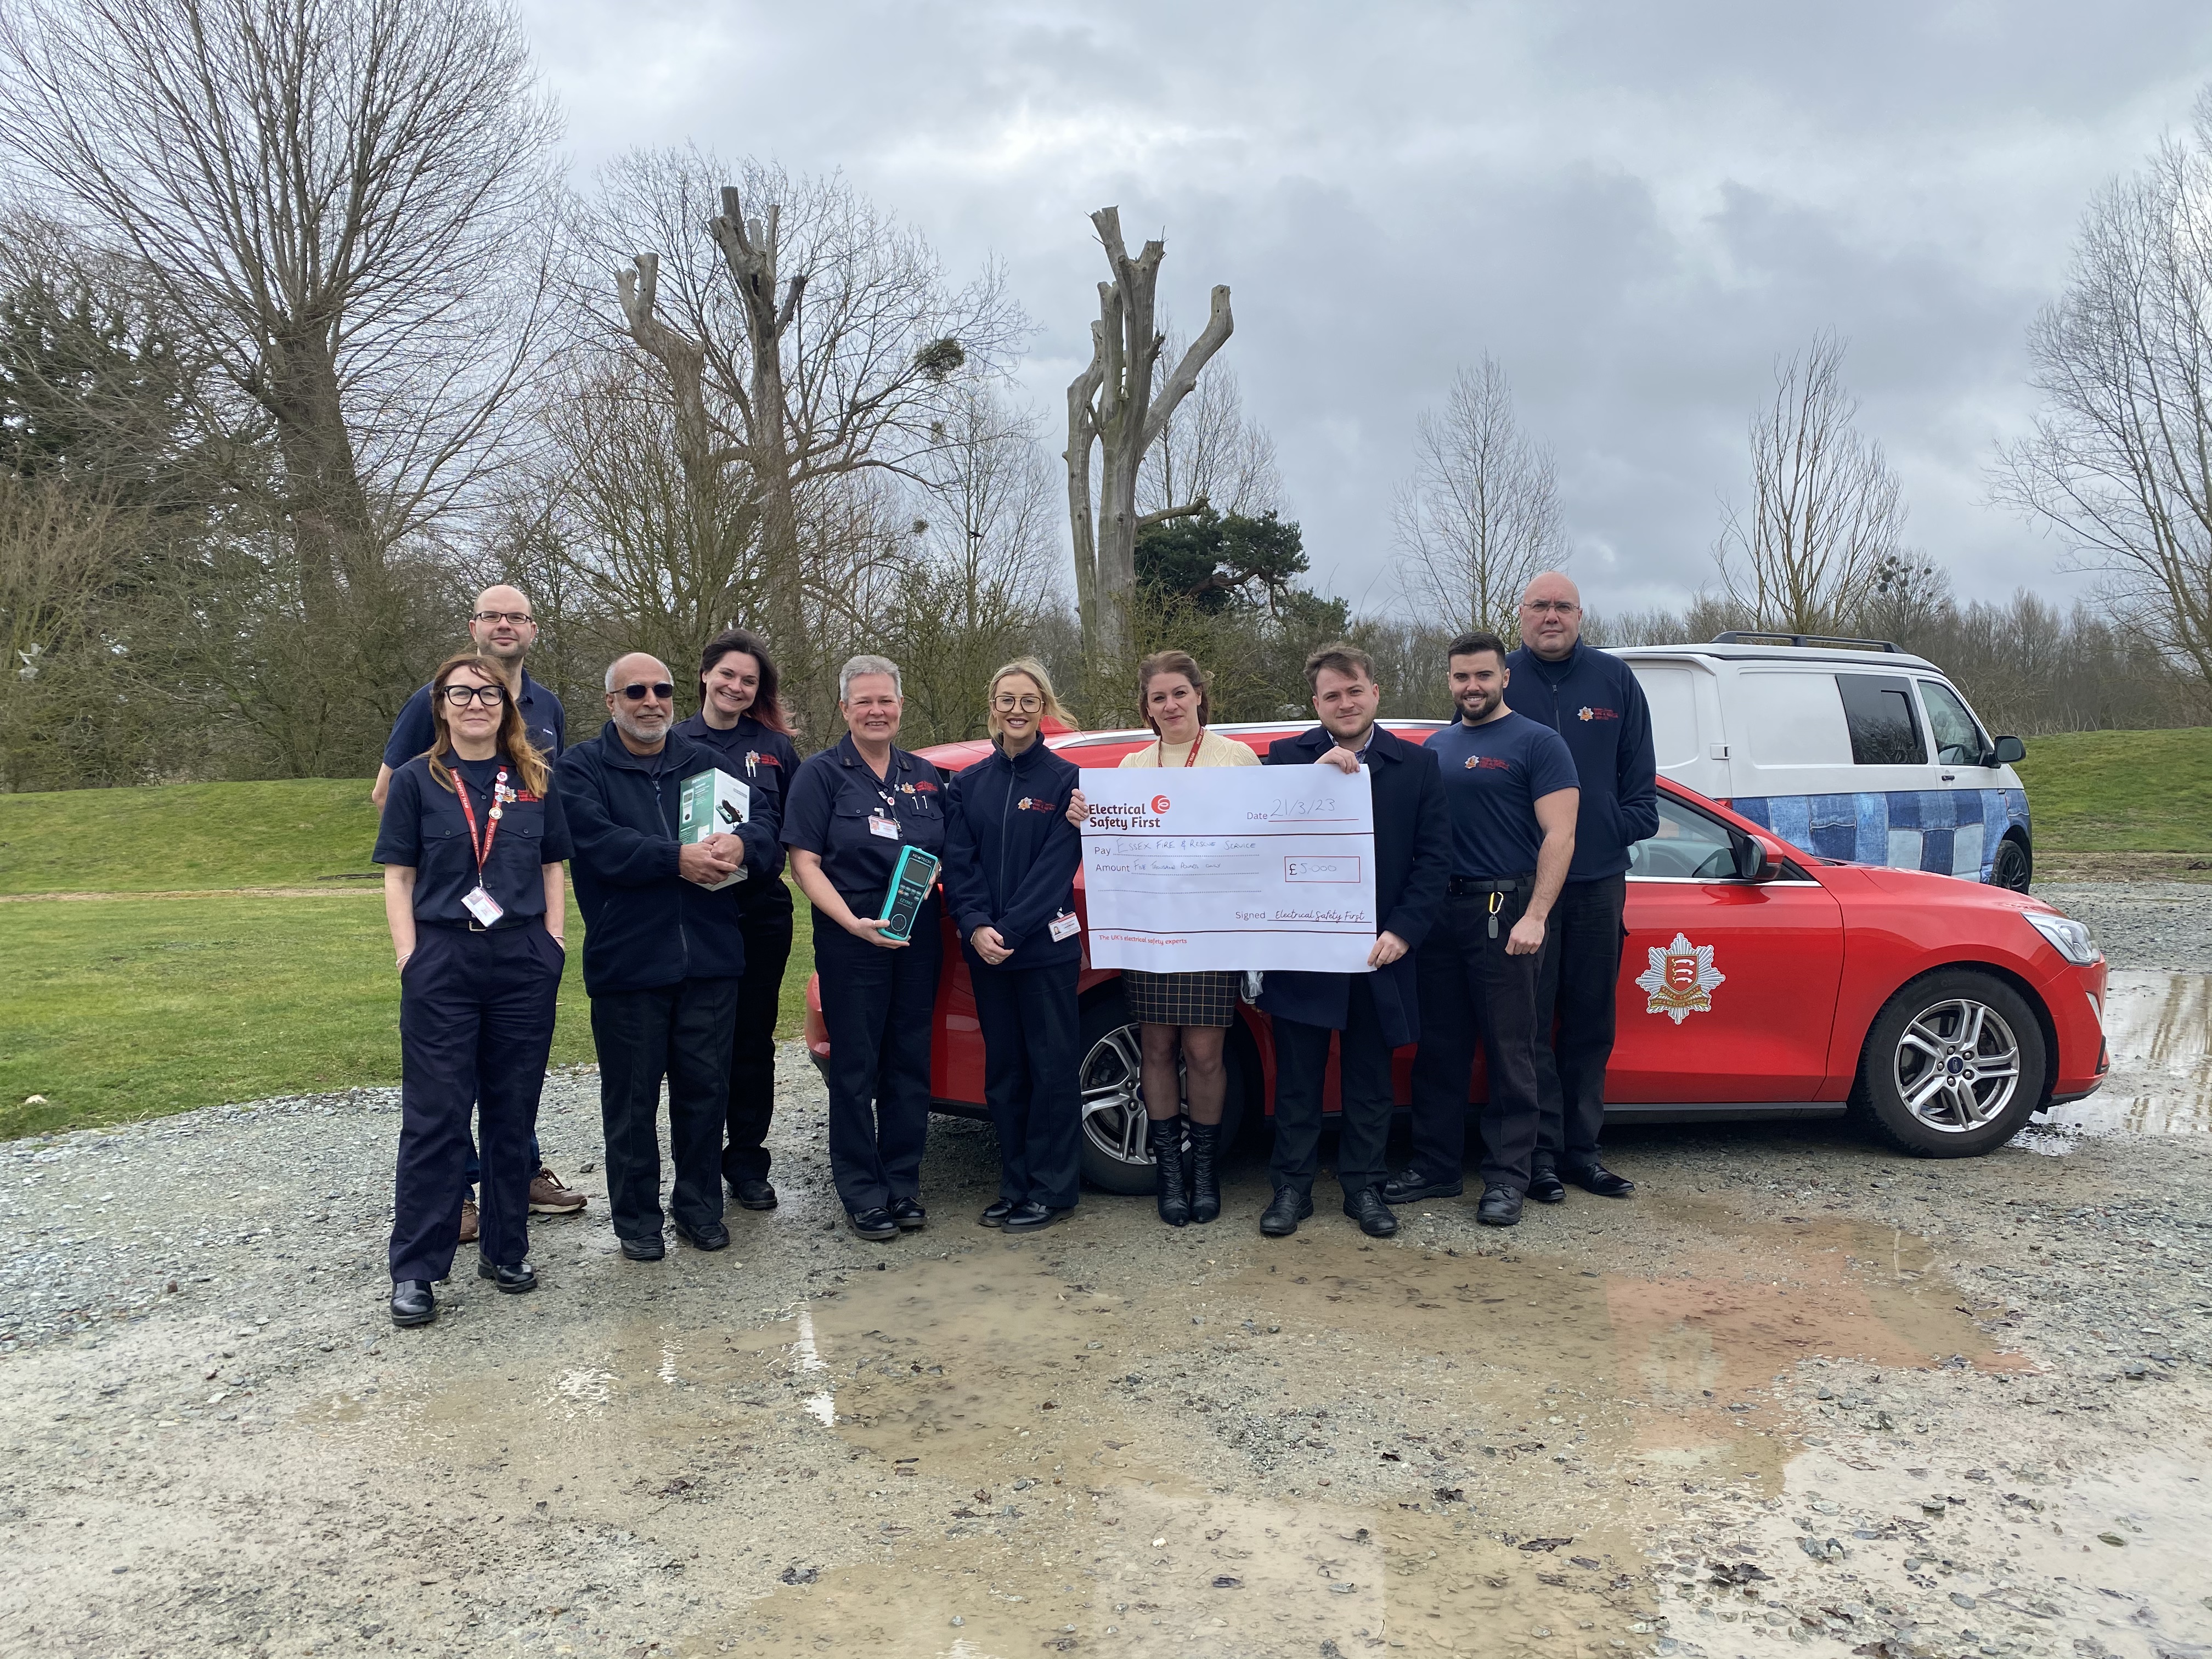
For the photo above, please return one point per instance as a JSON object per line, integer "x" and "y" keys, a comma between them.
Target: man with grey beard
{"x": 663, "y": 954}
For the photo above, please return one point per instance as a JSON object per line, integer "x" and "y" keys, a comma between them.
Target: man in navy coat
{"x": 1372, "y": 1013}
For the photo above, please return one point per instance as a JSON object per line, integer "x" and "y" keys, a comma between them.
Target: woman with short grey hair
{"x": 852, "y": 811}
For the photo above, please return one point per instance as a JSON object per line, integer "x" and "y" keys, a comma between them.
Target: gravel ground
{"x": 2166, "y": 924}
{"x": 1797, "y": 1392}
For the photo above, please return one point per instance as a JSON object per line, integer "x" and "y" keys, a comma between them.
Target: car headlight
{"x": 2070, "y": 939}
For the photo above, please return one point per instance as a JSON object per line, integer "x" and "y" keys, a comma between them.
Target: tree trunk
{"x": 1112, "y": 403}
{"x": 325, "y": 508}
{"x": 749, "y": 247}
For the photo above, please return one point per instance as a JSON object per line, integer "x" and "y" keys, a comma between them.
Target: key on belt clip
{"x": 1496, "y": 899}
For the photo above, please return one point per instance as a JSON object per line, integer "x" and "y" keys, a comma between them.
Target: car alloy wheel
{"x": 1113, "y": 1100}
{"x": 1957, "y": 1065}
{"x": 2011, "y": 866}
{"x": 1953, "y": 1066}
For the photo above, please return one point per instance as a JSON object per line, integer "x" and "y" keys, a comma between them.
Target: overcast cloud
{"x": 1635, "y": 207}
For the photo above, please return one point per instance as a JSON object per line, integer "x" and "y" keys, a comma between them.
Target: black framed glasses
{"x": 520, "y": 618}
{"x": 1007, "y": 703}
{"x": 462, "y": 696}
{"x": 660, "y": 688}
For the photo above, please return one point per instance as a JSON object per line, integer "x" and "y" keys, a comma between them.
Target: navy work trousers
{"x": 1031, "y": 1027}
{"x": 680, "y": 1032}
{"x": 1580, "y": 983}
{"x": 1473, "y": 991}
{"x": 753, "y": 1045}
{"x": 476, "y": 1023}
{"x": 1362, "y": 1088}
{"x": 878, "y": 1005}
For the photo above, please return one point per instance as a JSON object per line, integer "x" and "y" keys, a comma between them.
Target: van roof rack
{"x": 1752, "y": 636}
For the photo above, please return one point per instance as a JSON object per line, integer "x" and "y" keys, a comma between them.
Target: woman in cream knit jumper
{"x": 1189, "y": 1012}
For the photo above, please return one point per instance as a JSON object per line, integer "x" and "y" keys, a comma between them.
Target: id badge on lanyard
{"x": 476, "y": 901}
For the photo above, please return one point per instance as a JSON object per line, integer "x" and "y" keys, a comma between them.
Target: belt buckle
{"x": 475, "y": 927}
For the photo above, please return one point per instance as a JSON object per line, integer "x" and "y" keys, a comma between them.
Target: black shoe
{"x": 1546, "y": 1186}
{"x": 651, "y": 1248}
{"x": 712, "y": 1236}
{"x": 1285, "y": 1211}
{"x": 1602, "y": 1181}
{"x": 994, "y": 1213}
{"x": 910, "y": 1214}
{"x": 1164, "y": 1135}
{"x": 875, "y": 1226}
{"x": 412, "y": 1303}
{"x": 1030, "y": 1216}
{"x": 1367, "y": 1208}
{"x": 1500, "y": 1207}
{"x": 1204, "y": 1176}
{"x": 512, "y": 1281}
{"x": 1410, "y": 1186}
{"x": 754, "y": 1194}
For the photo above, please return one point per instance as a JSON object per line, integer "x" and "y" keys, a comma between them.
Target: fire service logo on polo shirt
{"x": 1680, "y": 979}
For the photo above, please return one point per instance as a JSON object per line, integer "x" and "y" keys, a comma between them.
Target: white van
{"x": 1848, "y": 749}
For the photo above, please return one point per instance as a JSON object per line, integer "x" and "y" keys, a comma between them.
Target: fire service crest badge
{"x": 1680, "y": 979}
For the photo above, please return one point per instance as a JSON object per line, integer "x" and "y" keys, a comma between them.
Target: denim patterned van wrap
{"x": 1952, "y": 832}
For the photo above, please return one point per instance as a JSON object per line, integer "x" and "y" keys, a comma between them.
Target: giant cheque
{"x": 1230, "y": 867}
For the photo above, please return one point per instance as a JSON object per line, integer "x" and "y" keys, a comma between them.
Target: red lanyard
{"x": 491, "y": 828}
{"x": 1189, "y": 760}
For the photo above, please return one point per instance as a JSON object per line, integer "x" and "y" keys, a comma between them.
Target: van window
{"x": 1673, "y": 695}
{"x": 1885, "y": 731}
{"x": 1959, "y": 741}
{"x": 1689, "y": 847}
{"x": 1792, "y": 718}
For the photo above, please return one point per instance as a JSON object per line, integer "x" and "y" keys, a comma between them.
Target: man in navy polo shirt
{"x": 504, "y": 629}
{"x": 1591, "y": 699}
{"x": 1509, "y": 789}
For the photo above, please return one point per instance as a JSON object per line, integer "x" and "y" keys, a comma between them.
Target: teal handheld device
{"x": 913, "y": 877}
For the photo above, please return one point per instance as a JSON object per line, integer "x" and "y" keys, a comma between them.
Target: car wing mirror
{"x": 1751, "y": 863}
{"x": 2008, "y": 750}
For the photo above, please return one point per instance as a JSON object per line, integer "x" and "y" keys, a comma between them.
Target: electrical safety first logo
{"x": 1680, "y": 979}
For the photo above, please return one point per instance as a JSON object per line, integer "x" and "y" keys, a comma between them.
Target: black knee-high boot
{"x": 1165, "y": 1138}
{"x": 1205, "y": 1182}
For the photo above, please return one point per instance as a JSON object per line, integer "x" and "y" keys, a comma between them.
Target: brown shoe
{"x": 548, "y": 1197}
{"x": 468, "y": 1221}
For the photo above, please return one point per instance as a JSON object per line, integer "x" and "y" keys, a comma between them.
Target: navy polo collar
{"x": 849, "y": 753}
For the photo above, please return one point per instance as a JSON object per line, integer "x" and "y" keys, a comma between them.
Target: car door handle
{"x": 1950, "y": 777}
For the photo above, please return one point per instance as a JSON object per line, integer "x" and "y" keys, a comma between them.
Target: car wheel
{"x": 2011, "y": 866}
{"x": 1952, "y": 1066}
{"x": 1115, "y": 1159}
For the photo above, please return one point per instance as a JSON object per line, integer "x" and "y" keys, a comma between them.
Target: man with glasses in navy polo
{"x": 504, "y": 629}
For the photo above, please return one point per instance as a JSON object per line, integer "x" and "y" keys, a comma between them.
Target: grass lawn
{"x": 187, "y": 836}
{"x": 2121, "y": 792}
{"x": 121, "y": 1009}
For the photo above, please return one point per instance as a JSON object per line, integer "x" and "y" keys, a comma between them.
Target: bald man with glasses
{"x": 1591, "y": 699}
{"x": 664, "y": 955}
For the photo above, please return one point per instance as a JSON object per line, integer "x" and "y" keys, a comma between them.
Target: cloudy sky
{"x": 1636, "y": 207}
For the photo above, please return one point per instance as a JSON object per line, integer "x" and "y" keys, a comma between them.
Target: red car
{"x": 1756, "y": 982}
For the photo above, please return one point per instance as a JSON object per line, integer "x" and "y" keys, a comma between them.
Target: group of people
{"x": 1501, "y": 849}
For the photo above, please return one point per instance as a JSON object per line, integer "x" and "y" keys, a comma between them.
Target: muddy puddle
{"x": 2158, "y": 1026}
{"x": 1315, "y": 1445}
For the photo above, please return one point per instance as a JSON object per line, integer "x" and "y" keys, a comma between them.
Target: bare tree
{"x": 1209, "y": 452}
{"x": 2120, "y": 462}
{"x": 346, "y": 202}
{"x": 1480, "y": 515}
{"x": 977, "y": 578}
{"x": 812, "y": 336}
{"x": 1826, "y": 523}
{"x": 1112, "y": 408}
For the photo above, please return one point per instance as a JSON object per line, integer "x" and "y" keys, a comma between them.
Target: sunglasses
{"x": 661, "y": 690}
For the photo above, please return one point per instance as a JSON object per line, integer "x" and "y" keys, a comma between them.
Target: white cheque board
{"x": 1230, "y": 867}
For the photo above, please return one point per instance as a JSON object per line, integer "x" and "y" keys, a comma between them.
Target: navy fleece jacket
{"x": 1592, "y": 700}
